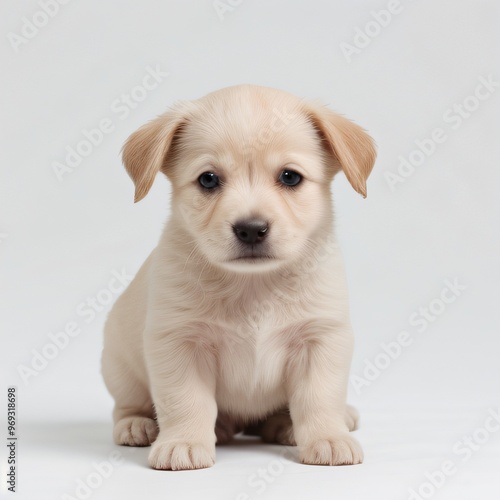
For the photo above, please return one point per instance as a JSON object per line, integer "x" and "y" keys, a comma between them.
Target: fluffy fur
{"x": 204, "y": 344}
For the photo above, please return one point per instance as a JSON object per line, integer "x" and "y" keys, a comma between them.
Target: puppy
{"x": 239, "y": 318}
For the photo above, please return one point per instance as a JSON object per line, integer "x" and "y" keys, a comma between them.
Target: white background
{"x": 61, "y": 241}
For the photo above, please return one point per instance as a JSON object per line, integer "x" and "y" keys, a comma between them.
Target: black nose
{"x": 251, "y": 231}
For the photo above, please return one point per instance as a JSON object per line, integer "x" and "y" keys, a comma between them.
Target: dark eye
{"x": 208, "y": 180}
{"x": 289, "y": 178}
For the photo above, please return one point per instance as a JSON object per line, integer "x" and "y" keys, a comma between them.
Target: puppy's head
{"x": 251, "y": 170}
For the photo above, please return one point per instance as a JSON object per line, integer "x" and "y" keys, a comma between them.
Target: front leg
{"x": 318, "y": 370}
{"x": 182, "y": 370}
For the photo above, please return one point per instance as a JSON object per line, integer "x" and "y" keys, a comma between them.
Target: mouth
{"x": 252, "y": 258}
{"x": 252, "y": 263}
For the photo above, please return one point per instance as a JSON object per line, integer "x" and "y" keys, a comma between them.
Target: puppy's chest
{"x": 252, "y": 349}
{"x": 254, "y": 322}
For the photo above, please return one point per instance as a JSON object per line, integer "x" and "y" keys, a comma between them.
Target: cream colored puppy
{"x": 239, "y": 318}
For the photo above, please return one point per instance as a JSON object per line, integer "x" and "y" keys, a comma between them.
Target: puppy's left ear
{"x": 352, "y": 148}
{"x": 145, "y": 152}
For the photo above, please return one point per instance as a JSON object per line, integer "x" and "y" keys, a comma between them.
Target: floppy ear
{"x": 146, "y": 149}
{"x": 351, "y": 146}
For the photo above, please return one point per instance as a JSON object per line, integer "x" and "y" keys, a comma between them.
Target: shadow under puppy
{"x": 239, "y": 317}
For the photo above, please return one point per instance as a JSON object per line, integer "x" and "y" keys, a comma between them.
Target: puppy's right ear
{"x": 146, "y": 149}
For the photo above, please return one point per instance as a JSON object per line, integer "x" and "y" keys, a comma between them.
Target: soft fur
{"x": 202, "y": 344}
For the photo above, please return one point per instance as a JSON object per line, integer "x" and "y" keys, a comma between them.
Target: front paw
{"x": 181, "y": 455}
{"x": 135, "y": 431}
{"x": 338, "y": 450}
